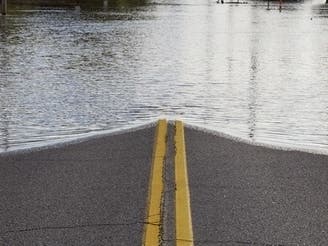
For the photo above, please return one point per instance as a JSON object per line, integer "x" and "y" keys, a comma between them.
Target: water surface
{"x": 240, "y": 69}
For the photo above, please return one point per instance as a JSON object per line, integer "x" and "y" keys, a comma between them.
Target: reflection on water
{"x": 240, "y": 69}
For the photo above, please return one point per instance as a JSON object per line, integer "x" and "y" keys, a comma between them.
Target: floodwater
{"x": 240, "y": 69}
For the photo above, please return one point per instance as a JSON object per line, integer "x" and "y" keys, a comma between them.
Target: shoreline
{"x": 111, "y": 132}
{"x": 274, "y": 146}
{"x": 80, "y": 138}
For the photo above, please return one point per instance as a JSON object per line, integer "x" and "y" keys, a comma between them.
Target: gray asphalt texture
{"x": 95, "y": 193}
{"x": 248, "y": 195}
{"x": 89, "y": 193}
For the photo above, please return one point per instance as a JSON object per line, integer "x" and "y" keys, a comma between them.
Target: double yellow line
{"x": 153, "y": 227}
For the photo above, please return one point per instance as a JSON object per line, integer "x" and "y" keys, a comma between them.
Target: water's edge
{"x": 107, "y": 133}
{"x": 77, "y": 139}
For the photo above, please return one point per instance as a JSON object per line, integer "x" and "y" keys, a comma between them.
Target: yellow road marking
{"x": 152, "y": 228}
{"x": 184, "y": 234}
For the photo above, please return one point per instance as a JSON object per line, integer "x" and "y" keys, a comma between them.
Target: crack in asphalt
{"x": 76, "y": 227}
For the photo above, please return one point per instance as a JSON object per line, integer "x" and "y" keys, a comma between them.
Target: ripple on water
{"x": 257, "y": 74}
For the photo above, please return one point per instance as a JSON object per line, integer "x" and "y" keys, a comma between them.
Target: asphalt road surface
{"x": 90, "y": 193}
{"x": 247, "y": 195}
{"x": 95, "y": 192}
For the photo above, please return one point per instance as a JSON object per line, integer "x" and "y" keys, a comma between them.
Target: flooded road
{"x": 241, "y": 69}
